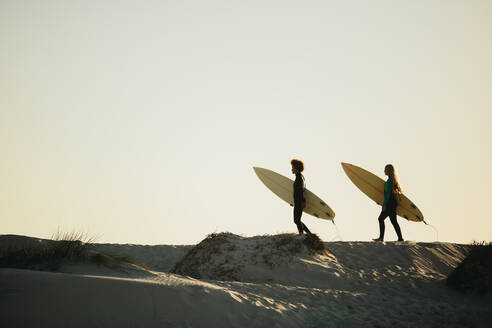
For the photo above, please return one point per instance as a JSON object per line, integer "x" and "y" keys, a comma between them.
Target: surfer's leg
{"x": 381, "y": 219}
{"x": 297, "y": 218}
{"x": 305, "y": 228}
{"x": 396, "y": 226}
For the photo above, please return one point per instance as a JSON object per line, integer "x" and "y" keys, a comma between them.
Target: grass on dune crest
{"x": 63, "y": 248}
{"x": 315, "y": 245}
{"x": 474, "y": 274}
{"x": 295, "y": 243}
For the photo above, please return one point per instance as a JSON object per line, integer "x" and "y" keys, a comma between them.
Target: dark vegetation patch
{"x": 315, "y": 245}
{"x": 51, "y": 255}
{"x": 474, "y": 274}
{"x": 293, "y": 244}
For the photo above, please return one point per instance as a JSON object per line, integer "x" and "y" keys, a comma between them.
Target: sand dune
{"x": 262, "y": 281}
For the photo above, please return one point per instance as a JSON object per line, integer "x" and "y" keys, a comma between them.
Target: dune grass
{"x": 48, "y": 255}
{"x": 63, "y": 248}
{"x": 315, "y": 245}
{"x": 474, "y": 274}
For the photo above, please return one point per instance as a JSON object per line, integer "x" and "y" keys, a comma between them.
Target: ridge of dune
{"x": 283, "y": 259}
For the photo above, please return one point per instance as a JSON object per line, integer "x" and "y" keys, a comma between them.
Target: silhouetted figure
{"x": 392, "y": 190}
{"x": 299, "y": 201}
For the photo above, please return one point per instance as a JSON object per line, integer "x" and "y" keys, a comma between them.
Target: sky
{"x": 140, "y": 121}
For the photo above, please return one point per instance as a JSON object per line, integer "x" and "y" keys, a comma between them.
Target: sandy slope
{"x": 361, "y": 285}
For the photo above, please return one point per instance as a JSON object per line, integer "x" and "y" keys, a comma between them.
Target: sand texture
{"x": 233, "y": 281}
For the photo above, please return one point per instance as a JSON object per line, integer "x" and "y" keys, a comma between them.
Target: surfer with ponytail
{"x": 392, "y": 192}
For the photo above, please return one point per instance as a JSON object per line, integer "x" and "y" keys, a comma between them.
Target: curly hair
{"x": 297, "y": 164}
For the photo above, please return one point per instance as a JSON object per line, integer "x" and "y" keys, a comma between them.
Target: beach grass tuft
{"x": 62, "y": 248}
{"x": 314, "y": 244}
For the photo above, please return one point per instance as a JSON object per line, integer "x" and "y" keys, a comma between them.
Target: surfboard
{"x": 373, "y": 186}
{"x": 283, "y": 187}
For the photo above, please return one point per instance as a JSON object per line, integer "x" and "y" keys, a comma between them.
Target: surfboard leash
{"x": 339, "y": 236}
{"x": 435, "y": 229}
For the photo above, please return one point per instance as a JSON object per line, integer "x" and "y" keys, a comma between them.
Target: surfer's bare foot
{"x": 401, "y": 239}
{"x": 377, "y": 239}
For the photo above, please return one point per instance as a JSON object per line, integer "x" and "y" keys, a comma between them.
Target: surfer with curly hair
{"x": 392, "y": 190}
{"x": 299, "y": 200}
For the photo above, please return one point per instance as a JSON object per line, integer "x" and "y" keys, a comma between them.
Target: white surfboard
{"x": 373, "y": 186}
{"x": 283, "y": 187}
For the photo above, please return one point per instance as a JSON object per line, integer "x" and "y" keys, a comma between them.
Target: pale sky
{"x": 140, "y": 121}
